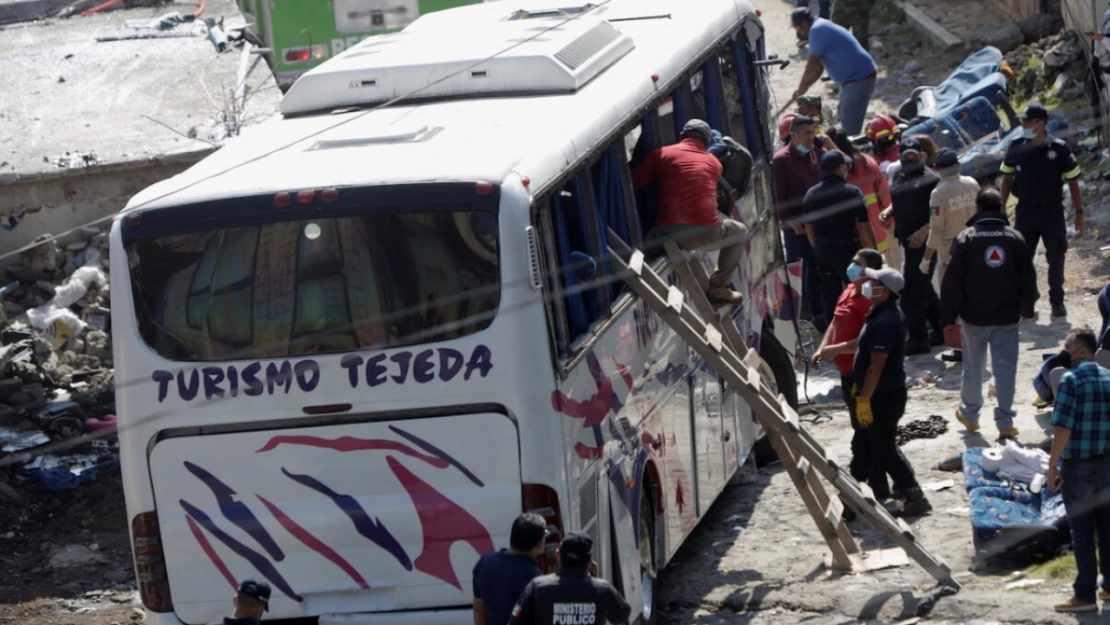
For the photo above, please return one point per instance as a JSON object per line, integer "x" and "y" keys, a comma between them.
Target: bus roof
{"x": 462, "y": 139}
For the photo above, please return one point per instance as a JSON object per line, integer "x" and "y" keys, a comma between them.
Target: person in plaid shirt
{"x": 1080, "y": 466}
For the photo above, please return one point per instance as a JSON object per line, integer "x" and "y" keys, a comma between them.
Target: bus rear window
{"x": 316, "y": 286}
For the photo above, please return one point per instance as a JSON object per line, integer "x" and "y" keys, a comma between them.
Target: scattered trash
{"x": 932, "y": 427}
{"x": 961, "y": 511}
{"x": 939, "y": 486}
{"x": 74, "y": 556}
{"x": 1025, "y": 583}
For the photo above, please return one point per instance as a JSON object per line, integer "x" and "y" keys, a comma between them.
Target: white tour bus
{"x": 349, "y": 346}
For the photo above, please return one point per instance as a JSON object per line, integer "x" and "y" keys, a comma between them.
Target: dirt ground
{"x": 65, "y": 558}
{"x": 758, "y": 556}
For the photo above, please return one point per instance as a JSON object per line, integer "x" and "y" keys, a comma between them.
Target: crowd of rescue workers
{"x": 901, "y": 254}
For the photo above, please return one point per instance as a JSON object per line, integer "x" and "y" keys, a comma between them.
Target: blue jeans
{"x": 825, "y": 7}
{"x": 797, "y": 246}
{"x": 1086, "y": 493}
{"x": 1003, "y": 343}
{"x": 852, "y": 105}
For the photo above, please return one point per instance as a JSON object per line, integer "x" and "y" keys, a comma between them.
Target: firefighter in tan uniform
{"x": 951, "y": 205}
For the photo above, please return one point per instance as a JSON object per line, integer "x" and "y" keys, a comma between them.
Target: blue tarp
{"x": 65, "y": 479}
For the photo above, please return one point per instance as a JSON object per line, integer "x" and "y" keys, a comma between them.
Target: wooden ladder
{"x": 720, "y": 343}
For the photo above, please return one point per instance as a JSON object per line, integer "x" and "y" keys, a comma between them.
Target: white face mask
{"x": 867, "y": 290}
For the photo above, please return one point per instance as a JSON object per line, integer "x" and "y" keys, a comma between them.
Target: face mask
{"x": 868, "y": 292}
{"x": 803, "y": 149}
{"x": 1029, "y": 133}
{"x": 854, "y": 272}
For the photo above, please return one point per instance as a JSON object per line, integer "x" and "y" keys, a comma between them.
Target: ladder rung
{"x": 834, "y": 511}
{"x": 803, "y": 466}
{"x": 713, "y": 338}
{"x": 905, "y": 528}
{"x": 674, "y": 299}
{"x": 788, "y": 414}
{"x": 636, "y": 263}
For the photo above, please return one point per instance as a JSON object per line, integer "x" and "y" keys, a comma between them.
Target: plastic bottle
{"x": 1037, "y": 484}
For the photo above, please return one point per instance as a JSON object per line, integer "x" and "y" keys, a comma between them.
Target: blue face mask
{"x": 803, "y": 149}
{"x": 1028, "y": 133}
{"x": 854, "y": 272}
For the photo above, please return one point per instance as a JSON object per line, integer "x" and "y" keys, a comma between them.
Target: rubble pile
{"x": 56, "y": 379}
{"x": 1054, "y": 68}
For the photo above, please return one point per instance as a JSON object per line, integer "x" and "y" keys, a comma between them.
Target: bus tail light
{"x": 306, "y": 197}
{"x": 150, "y": 563}
{"x": 305, "y": 54}
{"x": 542, "y": 500}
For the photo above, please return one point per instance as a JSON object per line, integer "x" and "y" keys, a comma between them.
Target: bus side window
{"x": 580, "y": 260}
{"x": 746, "y": 75}
{"x": 648, "y": 136}
{"x": 612, "y": 183}
{"x": 712, "y": 97}
{"x": 730, "y": 86}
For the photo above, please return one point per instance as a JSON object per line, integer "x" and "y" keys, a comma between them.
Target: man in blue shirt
{"x": 880, "y": 389}
{"x": 849, "y": 65}
{"x": 501, "y": 576}
{"x": 1080, "y": 444}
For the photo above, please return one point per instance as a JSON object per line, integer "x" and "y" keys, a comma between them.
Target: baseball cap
{"x": 809, "y": 101}
{"x": 800, "y": 15}
{"x": 946, "y": 157}
{"x": 833, "y": 159}
{"x": 801, "y": 120}
{"x": 889, "y": 278}
{"x": 910, "y": 146}
{"x": 1034, "y": 111}
{"x": 576, "y": 549}
{"x": 256, "y": 590}
{"x": 697, "y": 127}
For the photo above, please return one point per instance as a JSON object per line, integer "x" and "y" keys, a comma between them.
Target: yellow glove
{"x": 854, "y": 392}
{"x": 864, "y": 416}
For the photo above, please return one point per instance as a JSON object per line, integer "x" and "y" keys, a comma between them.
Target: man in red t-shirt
{"x": 687, "y": 176}
{"x": 839, "y": 344}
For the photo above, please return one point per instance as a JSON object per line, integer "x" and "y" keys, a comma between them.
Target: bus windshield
{"x": 315, "y": 285}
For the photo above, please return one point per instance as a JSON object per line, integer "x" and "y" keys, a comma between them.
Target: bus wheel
{"x": 781, "y": 369}
{"x": 647, "y": 559}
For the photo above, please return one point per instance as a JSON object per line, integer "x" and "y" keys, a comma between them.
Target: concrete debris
{"x": 56, "y": 379}
{"x": 71, "y": 160}
{"x": 73, "y": 556}
{"x": 1006, "y": 36}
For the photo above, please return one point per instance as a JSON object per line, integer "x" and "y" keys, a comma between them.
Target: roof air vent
{"x": 584, "y": 48}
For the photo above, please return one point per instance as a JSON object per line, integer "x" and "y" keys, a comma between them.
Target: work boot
{"x": 1103, "y": 595}
{"x": 721, "y": 294}
{"x": 953, "y": 356}
{"x": 914, "y": 503}
{"x": 918, "y": 347}
{"x": 968, "y": 425}
{"x": 1008, "y": 433}
{"x": 1075, "y": 605}
{"x": 1059, "y": 311}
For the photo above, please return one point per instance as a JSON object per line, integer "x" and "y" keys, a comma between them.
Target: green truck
{"x": 301, "y": 34}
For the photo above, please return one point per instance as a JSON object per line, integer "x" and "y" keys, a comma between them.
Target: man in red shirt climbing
{"x": 687, "y": 176}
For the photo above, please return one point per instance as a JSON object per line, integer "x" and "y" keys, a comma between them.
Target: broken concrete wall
{"x": 72, "y": 198}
